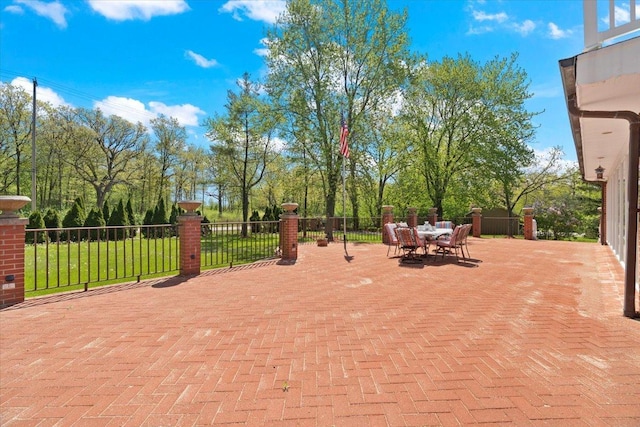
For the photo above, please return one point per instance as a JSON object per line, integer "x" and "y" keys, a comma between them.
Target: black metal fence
{"x": 75, "y": 258}
{"x": 228, "y": 243}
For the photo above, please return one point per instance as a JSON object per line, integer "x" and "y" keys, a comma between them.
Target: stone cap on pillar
{"x": 289, "y": 208}
{"x": 10, "y": 204}
{"x": 528, "y": 210}
{"x": 387, "y": 208}
{"x": 190, "y": 206}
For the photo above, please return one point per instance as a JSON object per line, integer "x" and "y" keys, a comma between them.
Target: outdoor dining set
{"x": 415, "y": 243}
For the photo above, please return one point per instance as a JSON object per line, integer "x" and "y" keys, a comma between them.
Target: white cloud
{"x": 54, "y": 10}
{"x": 186, "y": 114}
{"x": 136, "y": 111}
{"x": 622, "y": 14}
{"x": 482, "y": 16}
{"x": 14, "y": 8}
{"x": 262, "y": 51}
{"x": 123, "y": 10}
{"x": 200, "y": 60}
{"x": 525, "y": 28}
{"x": 257, "y": 10}
{"x": 43, "y": 93}
{"x": 556, "y": 33}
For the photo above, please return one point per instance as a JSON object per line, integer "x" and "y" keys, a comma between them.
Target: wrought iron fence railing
{"x": 75, "y": 258}
{"x": 228, "y": 243}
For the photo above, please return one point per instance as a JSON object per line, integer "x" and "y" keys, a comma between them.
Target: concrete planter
{"x": 10, "y": 204}
{"x": 189, "y": 205}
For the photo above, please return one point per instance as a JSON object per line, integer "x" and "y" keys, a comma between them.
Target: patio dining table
{"x": 434, "y": 234}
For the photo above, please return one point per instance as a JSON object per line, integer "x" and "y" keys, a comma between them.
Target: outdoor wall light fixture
{"x": 599, "y": 173}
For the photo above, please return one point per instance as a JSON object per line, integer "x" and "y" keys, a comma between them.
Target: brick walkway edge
{"x": 526, "y": 333}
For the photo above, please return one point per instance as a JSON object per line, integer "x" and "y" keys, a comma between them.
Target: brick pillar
{"x": 189, "y": 228}
{"x": 387, "y": 217}
{"x": 412, "y": 217}
{"x": 528, "y": 223}
{"x": 476, "y": 216}
{"x": 12, "y": 233}
{"x": 289, "y": 232}
{"x": 433, "y": 216}
{"x": 12, "y": 243}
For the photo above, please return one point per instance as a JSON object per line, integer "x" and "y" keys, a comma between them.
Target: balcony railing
{"x": 617, "y": 19}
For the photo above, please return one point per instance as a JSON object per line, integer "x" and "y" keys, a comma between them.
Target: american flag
{"x": 344, "y": 132}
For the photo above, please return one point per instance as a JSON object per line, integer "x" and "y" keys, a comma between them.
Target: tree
{"x": 103, "y": 156}
{"x": 170, "y": 142}
{"x": 455, "y": 109}
{"x": 15, "y": 135}
{"x": 331, "y": 58}
{"x": 244, "y": 136}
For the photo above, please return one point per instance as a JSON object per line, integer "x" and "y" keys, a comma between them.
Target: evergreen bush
{"x": 52, "y": 220}
{"x": 35, "y": 222}
{"x": 131, "y": 218}
{"x": 74, "y": 218}
{"x": 160, "y": 213}
{"x": 118, "y": 218}
{"x": 106, "y": 211}
{"x": 95, "y": 219}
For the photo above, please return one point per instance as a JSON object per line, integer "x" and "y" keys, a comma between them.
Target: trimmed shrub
{"x": 35, "y": 222}
{"x": 95, "y": 219}
{"x": 118, "y": 218}
{"x": 52, "y": 220}
{"x": 160, "y": 213}
{"x": 73, "y": 218}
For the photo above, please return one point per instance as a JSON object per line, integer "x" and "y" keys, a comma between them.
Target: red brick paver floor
{"x": 529, "y": 333}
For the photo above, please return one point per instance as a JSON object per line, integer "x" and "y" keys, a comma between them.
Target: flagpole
{"x": 344, "y": 204}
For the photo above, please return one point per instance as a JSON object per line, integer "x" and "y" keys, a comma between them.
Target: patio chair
{"x": 463, "y": 244}
{"x": 392, "y": 238}
{"x": 409, "y": 243}
{"x": 454, "y": 242}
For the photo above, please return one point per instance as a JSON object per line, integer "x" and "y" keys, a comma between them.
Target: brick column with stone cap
{"x": 387, "y": 217}
{"x": 12, "y": 241}
{"x": 433, "y": 216}
{"x": 289, "y": 232}
{"x": 189, "y": 229}
{"x": 476, "y": 218}
{"x": 412, "y": 217}
{"x": 528, "y": 223}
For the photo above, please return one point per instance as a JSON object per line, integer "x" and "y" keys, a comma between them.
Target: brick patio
{"x": 529, "y": 333}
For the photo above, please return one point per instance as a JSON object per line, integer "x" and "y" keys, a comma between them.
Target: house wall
{"x": 617, "y": 210}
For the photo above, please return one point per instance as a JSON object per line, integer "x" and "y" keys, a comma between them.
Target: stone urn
{"x": 10, "y": 204}
{"x": 189, "y": 205}
{"x": 288, "y": 208}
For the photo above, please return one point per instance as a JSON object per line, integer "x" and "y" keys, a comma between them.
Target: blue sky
{"x": 140, "y": 58}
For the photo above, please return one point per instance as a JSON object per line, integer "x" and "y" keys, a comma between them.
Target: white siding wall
{"x": 617, "y": 207}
